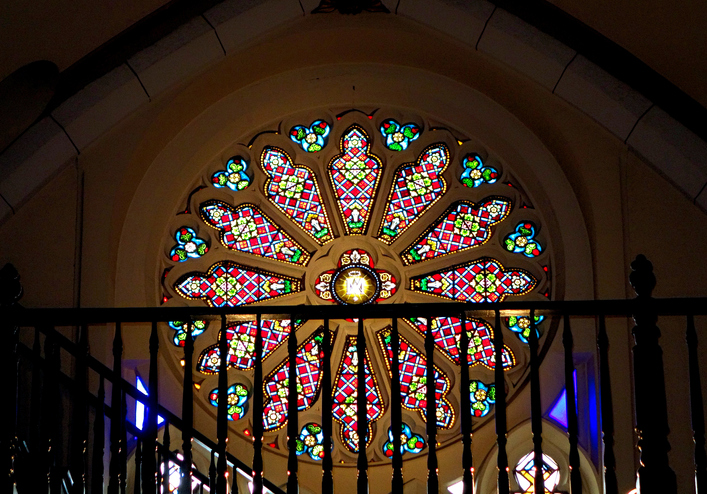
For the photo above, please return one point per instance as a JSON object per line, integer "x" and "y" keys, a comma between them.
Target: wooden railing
{"x": 34, "y": 460}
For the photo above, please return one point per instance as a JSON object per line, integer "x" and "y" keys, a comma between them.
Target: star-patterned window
{"x": 525, "y": 474}
{"x": 355, "y": 208}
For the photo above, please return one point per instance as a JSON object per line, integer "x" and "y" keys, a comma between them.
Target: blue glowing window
{"x": 140, "y": 409}
{"x": 558, "y": 411}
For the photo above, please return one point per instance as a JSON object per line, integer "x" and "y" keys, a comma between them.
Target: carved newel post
{"x": 654, "y": 474}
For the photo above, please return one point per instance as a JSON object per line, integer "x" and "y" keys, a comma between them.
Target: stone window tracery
{"x": 355, "y": 209}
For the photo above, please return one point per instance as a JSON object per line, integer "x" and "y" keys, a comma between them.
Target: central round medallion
{"x": 355, "y": 284}
{"x": 355, "y": 281}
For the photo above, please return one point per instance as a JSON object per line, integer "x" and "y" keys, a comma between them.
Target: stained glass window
{"x": 312, "y": 138}
{"x": 482, "y": 397}
{"x": 475, "y": 173}
{"x": 311, "y": 441}
{"x": 409, "y": 442}
{"x": 354, "y": 177}
{"x": 525, "y": 473}
{"x": 140, "y": 408}
{"x": 447, "y": 333}
{"x": 181, "y": 328}
{"x": 355, "y": 281}
{"x": 293, "y": 190}
{"x": 292, "y": 251}
{"x": 520, "y": 325}
{"x": 522, "y": 241}
{"x": 461, "y": 227}
{"x": 230, "y": 284}
{"x": 234, "y": 177}
{"x": 175, "y": 475}
{"x": 413, "y": 380}
{"x": 241, "y": 344}
{"x": 345, "y": 395}
{"x": 247, "y": 229}
{"x": 237, "y": 400}
{"x": 416, "y": 186}
{"x": 275, "y": 387}
{"x": 188, "y": 245}
{"x": 398, "y": 137}
{"x": 482, "y": 280}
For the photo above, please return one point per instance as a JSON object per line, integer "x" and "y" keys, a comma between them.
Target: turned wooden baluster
{"x": 467, "y": 460}
{"x": 166, "y": 440}
{"x": 697, "y": 412}
{"x": 431, "y": 412}
{"x": 116, "y": 405}
{"x": 222, "y": 410}
{"x": 99, "y": 430}
{"x": 79, "y": 428}
{"x": 501, "y": 432}
{"x": 188, "y": 410}
{"x": 654, "y": 474}
{"x": 10, "y": 294}
{"x": 396, "y": 415}
{"x": 361, "y": 410}
{"x": 149, "y": 464}
{"x": 607, "y": 411}
{"x": 292, "y": 410}
{"x": 327, "y": 465}
{"x": 571, "y": 404}
{"x": 535, "y": 406}
{"x": 258, "y": 408}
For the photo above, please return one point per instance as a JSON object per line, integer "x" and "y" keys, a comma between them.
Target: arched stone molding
{"x": 555, "y": 445}
{"x": 258, "y": 106}
{"x": 211, "y": 137}
{"x": 230, "y": 27}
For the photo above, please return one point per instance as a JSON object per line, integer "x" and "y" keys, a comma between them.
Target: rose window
{"x": 355, "y": 209}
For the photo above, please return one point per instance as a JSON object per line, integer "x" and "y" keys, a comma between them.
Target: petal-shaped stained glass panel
{"x": 463, "y": 226}
{"x": 293, "y": 189}
{"x": 189, "y": 246}
{"x": 311, "y": 441}
{"x": 409, "y": 442}
{"x": 354, "y": 176}
{"x": 345, "y": 396}
{"x": 312, "y": 138}
{"x": 416, "y": 187}
{"x": 475, "y": 173}
{"x": 237, "y": 400}
{"x": 276, "y": 384}
{"x": 447, "y": 334}
{"x": 181, "y": 328}
{"x": 413, "y": 379}
{"x": 247, "y": 229}
{"x": 482, "y": 280}
{"x": 481, "y": 398}
{"x": 241, "y": 344}
{"x": 228, "y": 284}
{"x": 398, "y": 137}
{"x": 522, "y": 240}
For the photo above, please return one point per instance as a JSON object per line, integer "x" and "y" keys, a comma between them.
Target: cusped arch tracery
{"x": 351, "y": 217}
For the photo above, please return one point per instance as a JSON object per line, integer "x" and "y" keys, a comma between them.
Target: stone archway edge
{"x": 44, "y": 149}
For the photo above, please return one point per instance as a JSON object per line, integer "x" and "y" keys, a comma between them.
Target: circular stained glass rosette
{"x": 364, "y": 223}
